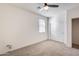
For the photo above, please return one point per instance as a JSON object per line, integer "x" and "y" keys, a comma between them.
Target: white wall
{"x": 58, "y": 26}
{"x": 72, "y": 13}
{"x": 18, "y": 28}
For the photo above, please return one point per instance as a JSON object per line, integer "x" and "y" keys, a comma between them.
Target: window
{"x": 41, "y": 25}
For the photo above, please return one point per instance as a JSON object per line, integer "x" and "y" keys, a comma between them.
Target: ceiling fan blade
{"x": 53, "y": 5}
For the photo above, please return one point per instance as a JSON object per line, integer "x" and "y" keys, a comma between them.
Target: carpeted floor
{"x": 45, "y": 48}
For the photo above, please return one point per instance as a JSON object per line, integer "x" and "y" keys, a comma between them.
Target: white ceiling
{"x": 51, "y": 11}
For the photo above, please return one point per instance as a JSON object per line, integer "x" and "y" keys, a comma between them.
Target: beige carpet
{"x": 45, "y": 48}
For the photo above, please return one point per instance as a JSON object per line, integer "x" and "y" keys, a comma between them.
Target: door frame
{"x": 72, "y": 27}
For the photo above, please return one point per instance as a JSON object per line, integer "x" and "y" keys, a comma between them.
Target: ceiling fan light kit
{"x": 45, "y": 7}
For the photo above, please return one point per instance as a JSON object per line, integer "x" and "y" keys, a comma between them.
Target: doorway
{"x": 75, "y": 33}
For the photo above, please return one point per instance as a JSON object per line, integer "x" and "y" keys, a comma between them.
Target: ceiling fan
{"x": 46, "y": 6}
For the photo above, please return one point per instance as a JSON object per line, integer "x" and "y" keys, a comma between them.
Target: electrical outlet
{"x": 9, "y": 46}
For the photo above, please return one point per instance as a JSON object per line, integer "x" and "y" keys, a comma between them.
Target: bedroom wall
{"x": 58, "y": 26}
{"x": 72, "y": 13}
{"x": 19, "y": 28}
